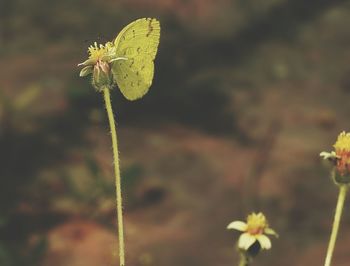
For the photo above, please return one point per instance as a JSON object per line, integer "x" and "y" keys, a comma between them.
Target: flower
{"x": 342, "y": 150}
{"x": 97, "y": 53}
{"x": 254, "y": 230}
{"x": 340, "y": 157}
{"x": 99, "y": 64}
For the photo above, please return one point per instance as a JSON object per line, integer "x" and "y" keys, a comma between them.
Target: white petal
{"x": 264, "y": 241}
{"x": 328, "y": 155}
{"x": 270, "y": 231}
{"x": 245, "y": 241}
{"x": 238, "y": 225}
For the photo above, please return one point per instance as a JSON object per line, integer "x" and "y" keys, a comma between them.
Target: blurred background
{"x": 246, "y": 95}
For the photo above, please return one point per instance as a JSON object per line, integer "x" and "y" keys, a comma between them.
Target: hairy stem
{"x": 118, "y": 191}
{"x": 244, "y": 261}
{"x": 338, "y": 212}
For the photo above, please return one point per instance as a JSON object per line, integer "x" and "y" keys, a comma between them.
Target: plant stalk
{"x": 244, "y": 260}
{"x": 338, "y": 212}
{"x": 118, "y": 191}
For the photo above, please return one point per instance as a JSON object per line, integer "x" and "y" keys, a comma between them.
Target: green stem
{"x": 338, "y": 212}
{"x": 244, "y": 261}
{"x": 118, "y": 191}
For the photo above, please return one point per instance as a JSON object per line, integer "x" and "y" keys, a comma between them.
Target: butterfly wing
{"x": 138, "y": 43}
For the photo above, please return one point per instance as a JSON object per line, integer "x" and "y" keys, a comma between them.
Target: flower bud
{"x": 102, "y": 76}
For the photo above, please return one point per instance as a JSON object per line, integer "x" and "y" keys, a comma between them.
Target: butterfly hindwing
{"x": 138, "y": 44}
{"x": 134, "y": 77}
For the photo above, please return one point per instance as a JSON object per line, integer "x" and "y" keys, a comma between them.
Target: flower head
{"x": 342, "y": 150}
{"x": 99, "y": 64}
{"x": 99, "y": 53}
{"x": 340, "y": 157}
{"x": 254, "y": 230}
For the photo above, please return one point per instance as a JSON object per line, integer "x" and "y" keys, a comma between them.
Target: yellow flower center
{"x": 343, "y": 142}
{"x": 98, "y": 52}
{"x": 256, "y": 223}
{"x": 342, "y": 150}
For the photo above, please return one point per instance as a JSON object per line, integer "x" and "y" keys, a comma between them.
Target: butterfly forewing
{"x": 138, "y": 44}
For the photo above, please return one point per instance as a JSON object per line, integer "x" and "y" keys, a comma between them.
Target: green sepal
{"x": 85, "y": 71}
{"x": 101, "y": 79}
{"x": 340, "y": 179}
{"x": 254, "y": 249}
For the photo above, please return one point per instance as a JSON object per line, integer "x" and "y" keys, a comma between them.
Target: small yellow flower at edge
{"x": 340, "y": 157}
{"x": 255, "y": 229}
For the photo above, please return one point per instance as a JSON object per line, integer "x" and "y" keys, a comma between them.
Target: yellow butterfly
{"x": 136, "y": 47}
